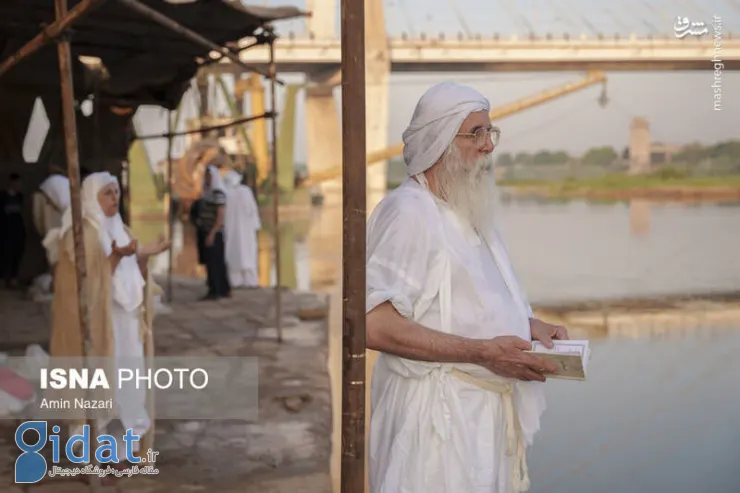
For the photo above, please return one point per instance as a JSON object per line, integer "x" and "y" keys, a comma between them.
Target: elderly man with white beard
{"x": 456, "y": 396}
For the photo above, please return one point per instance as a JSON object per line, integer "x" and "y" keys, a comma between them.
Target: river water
{"x": 658, "y": 413}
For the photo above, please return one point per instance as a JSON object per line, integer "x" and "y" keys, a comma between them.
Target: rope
{"x": 514, "y": 442}
{"x": 515, "y": 16}
{"x": 460, "y": 19}
{"x": 406, "y": 17}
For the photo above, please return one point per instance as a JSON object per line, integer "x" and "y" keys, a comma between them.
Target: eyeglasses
{"x": 483, "y": 134}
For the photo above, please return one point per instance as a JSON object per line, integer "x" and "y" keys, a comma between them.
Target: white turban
{"x": 437, "y": 118}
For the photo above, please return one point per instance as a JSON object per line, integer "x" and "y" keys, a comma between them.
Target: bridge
{"x": 512, "y": 54}
{"x": 648, "y": 38}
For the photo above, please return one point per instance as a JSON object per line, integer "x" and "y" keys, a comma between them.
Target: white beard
{"x": 468, "y": 188}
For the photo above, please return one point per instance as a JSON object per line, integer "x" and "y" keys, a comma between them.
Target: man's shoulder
{"x": 408, "y": 209}
{"x": 409, "y": 199}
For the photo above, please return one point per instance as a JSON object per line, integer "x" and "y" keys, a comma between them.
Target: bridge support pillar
{"x": 323, "y": 138}
{"x": 377, "y": 91}
{"x": 322, "y": 113}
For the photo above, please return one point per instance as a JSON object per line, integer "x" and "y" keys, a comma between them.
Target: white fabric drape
{"x": 217, "y": 182}
{"x": 437, "y": 118}
{"x": 56, "y": 187}
{"x": 430, "y": 431}
{"x": 241, "y": 223}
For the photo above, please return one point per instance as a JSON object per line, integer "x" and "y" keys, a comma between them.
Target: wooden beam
{"x": 73, "y": 171}
{"x": 50, "y": 32}
{"x": 353, "y": 245}
{"x": 234, "y": 122}
{"x": 163, "y": 20}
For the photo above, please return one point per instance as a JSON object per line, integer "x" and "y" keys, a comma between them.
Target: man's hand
{"x": 210, "y": 240}
{"x": 507, "y": 356}
{"x": 124, "y": 251}
{"x": 545, "y": 333}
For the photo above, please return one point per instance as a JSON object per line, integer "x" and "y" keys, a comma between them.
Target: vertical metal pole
{"x": 353, "y": 246}
{"x": 168, "y": 202}
{"x": 73, "y": 171}
{"x": 275, "y": 189}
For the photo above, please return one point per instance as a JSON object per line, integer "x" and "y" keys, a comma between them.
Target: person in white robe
{"x": 241, "y": 224}
{"x": 456, "y": 397}
{"x": 50, "y": 202}
{"x": 48, "y": 206}
{"x": 127, "y": 262}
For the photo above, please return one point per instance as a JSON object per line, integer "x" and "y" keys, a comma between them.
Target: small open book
{"x": 571, "y": 357}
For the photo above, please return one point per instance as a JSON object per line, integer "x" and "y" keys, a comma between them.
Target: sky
{"x": 678, "y": 105}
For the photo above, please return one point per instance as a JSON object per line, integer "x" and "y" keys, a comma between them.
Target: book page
{"x": 571, "y": 358}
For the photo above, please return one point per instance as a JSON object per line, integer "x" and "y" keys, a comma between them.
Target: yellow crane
{"x": 593, "y": 77}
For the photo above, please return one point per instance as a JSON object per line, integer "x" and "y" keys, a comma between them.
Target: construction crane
{"x": 593, "y": 77}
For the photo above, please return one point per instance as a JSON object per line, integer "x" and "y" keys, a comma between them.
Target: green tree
{"x": 505, "y": 159}
{"x": 691, "y": 154}
{"x": 600, "y": 156}
{"x": 523, "y": 158}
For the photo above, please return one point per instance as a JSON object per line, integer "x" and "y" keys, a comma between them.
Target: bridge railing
{"x": 291, "y": 37}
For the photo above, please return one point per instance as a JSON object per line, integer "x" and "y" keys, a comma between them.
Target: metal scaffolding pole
{"x": 168, "y": 203}
{"x": 73, "y": 170}
{"x": 353, "y": 246}
{"x": 275, "y": 189}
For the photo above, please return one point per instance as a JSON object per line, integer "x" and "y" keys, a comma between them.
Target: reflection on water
{"x": 657, "y": 414}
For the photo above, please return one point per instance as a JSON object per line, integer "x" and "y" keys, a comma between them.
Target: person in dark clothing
{"x": 200, "y": 233}
{"x": 13, "y": 239}
{"x": 211, "y": 219}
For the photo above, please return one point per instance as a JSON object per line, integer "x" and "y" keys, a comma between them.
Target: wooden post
{"x": 168, "y": 204}
{"x": 353, "y": 246}
{"x": 73, "y": 170}
{"x": 275, "y": 190}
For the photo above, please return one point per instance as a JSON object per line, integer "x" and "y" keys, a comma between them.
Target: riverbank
{"x": 638, "y": 317}
{"x": 655, "y": 186}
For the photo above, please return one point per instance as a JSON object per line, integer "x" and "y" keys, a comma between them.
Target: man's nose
{"x": 487, "y": 146}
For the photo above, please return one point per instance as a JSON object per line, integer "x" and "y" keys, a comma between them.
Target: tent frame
{"x": 58, "y": 31}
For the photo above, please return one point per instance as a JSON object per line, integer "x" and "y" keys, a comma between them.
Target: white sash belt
{"x": 514, "y": 442}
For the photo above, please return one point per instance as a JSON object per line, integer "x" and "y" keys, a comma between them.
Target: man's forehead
{"x": 475, "y": 120}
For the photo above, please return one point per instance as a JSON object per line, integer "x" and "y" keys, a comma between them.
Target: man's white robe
{"x": 431, "y": 431}
{"x": 241, "y": 223}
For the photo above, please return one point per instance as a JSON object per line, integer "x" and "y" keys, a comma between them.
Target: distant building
{"x": 642, "y": 153}
{"x": 639, "y": 148}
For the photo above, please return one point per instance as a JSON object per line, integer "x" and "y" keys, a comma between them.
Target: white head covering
{"x": 232, "y": 179}
{"x": 217, "y": 182}
{"x": 127, "y": 277}
{"x": 56, "y": 187}
{"x": 437, "y": 118}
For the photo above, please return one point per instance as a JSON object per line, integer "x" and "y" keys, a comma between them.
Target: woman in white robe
{"x": 242, "y": 222}
{"x": 118, "y": 293}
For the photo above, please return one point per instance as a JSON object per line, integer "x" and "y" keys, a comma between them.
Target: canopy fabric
{"x": 147, "y": 63}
